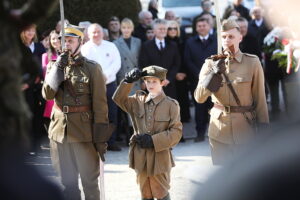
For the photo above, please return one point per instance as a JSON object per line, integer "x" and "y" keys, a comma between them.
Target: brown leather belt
{"x": 72, "y": 109}
{"x": 234, "y": 109}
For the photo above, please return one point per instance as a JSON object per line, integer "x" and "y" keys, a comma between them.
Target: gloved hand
{"x": 62, "y": 60}
{"x": 101, "y": 148}
{"x": 213, "y": 80}
{"x": 144, "y": 140}
{"x": 101, "y": 134}
{"x": 133, "y": 75}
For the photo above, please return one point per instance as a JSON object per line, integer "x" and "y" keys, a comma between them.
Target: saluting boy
{"x": 157, "y": 128}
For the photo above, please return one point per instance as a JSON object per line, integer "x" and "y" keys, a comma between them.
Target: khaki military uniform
{"x": 159, "y": 117}
{"x": 228, "y": 131}
{"x": 70, "y": 133}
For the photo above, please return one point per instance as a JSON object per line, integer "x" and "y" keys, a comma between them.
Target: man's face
{"x": 160, "y": 31}
{"x": 238, "y": 2}
{"x": 202, "y": 28}
{"x": 231, "y": 37}
{"x": 209, "y": 18}
{"x": 243, "y": 28}
{"x": 170, "y": 16}
{"x": 95, "y": 34}
{"x": 206, "y": 6}
{"x": 72, "y": 43}
{"x": 147, "y": 20}
{"x": 257, "y": 14}
{"x": 153, "y": 85}
{"x": 150, "y": 34}
{"x": 114, "y": 26}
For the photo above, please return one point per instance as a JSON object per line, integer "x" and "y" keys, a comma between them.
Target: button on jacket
{"x": 246, "y": 75}
{"x": 87, "y": 81}
{"x": 159, "y": 117}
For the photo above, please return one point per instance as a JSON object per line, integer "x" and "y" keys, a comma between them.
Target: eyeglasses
{"x": 172, "y": 28}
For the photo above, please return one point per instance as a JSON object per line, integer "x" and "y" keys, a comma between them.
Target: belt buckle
{"x": 65, "y": 109}
{"x": 227, "y": 109}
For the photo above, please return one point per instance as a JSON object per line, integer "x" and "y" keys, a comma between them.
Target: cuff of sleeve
{"x": 55, "y": 78}
{"x": 158, "y": 145}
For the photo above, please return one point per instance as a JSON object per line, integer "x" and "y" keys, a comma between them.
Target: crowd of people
{"x": 122, "y": 46}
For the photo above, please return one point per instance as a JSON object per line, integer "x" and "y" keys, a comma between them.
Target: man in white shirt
{"x": 107, "y": 55}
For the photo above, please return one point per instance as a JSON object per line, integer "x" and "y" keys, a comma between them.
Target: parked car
{"x": 185, "y": 9}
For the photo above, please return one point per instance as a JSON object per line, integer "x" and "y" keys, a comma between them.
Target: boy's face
{"x": 153, "y": 85}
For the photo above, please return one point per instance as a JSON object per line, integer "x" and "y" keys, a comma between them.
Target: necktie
{"x": 204, "y": 41}
{"x": 161, "y": 46}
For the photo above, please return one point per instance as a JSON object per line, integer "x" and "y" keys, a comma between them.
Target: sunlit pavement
{"x": 193, "y": 165}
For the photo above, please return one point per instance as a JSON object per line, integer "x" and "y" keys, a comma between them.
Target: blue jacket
{"x": 196, "y": 52}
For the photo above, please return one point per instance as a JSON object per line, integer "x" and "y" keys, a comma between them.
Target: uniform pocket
{"x": 242, "y": 84}
{"x": 80, "y": 84}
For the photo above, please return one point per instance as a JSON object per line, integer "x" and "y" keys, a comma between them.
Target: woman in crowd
{"x": 173, "y": 34}
{"x": 129, "y": 48}
{"x": 152, "y": 7}
{"x": 50, "y": 55}
{"x": 32, "y": 89}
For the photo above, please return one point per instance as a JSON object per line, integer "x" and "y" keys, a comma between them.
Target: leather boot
{"x": 166, "y": 197}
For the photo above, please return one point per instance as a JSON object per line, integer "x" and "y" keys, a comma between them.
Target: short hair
{"x": 202, "y": 2}
{"x": 242, "y": 19}
{"x": 143, "y": 13}
{"x": 127, "y": 21}
{"x": 256, "y": 8}
{"x": 94, "y": 25}
{"x": 114, "y": 18}
{"x": 200, "y": 19}
{"x": 159, "y": 21}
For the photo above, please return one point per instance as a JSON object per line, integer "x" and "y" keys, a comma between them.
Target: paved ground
{"x": 193, "y": 164}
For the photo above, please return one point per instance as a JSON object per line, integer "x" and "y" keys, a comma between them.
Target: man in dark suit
{"x": 240, "y": 8}
{"x": 197, "y": 49}
{"x": 145, "y": 18}
{"x": 163, "y": 53}
{"x": 249, "y": 43}
{"x": 258, "y": 27}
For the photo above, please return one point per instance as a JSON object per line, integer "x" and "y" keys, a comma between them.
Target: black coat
{"x": 140, "y": 32}
{"x": 250, "y": 45}
{"x": 259, "y": 32}
{"x": 168, "y": 58}
{"x": 195, "y": 54}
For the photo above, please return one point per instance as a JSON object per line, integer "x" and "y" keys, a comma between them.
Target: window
{"x": 180, "y": 3}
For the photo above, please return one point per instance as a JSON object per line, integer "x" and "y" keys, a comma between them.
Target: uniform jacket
{"x": 246, "y": 75}
{"x": 88, "y": 82}
{"x": 129, "y": 58}
{"x": 160, "y": 118}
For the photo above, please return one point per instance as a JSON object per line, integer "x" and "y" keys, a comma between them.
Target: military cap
{"x": 155, "y": 71}
{"x": 228, "y": 24}
{"x": 73, "y": 31}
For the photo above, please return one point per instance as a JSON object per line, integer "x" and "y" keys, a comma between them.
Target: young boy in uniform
{"x": 157, "y": 128}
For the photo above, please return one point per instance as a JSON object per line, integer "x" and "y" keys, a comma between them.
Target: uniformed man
{"x": 79, "y": 120}
{"x": 239, "y": 101}
{"x": 157, "y": 128}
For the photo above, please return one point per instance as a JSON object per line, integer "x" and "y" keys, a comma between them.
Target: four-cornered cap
{"x": 228, "y": 24}
{"x": 73, "y": 31}
{"x": 155, "y": 71}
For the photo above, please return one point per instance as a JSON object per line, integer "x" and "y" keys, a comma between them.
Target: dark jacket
{"x": 196, "y": 52}
{"x": 140, "y": 32}
{"x": 244, "y": 12}
{"x": 168, "y": 58}
{"x": 259, "y": 32}
{"x": 250, "y": 45}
